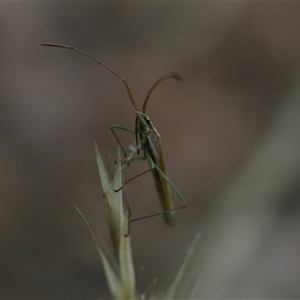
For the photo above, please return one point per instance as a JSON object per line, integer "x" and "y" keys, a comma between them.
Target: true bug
{"x": 147, "y": 140}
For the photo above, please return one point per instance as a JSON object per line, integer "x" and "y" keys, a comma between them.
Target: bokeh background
{"x": 230, "y": 136}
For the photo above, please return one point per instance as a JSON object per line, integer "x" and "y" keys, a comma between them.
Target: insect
{"x": 147, "y": 140}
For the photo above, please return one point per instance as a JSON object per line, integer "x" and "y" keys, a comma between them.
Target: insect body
{"x": 147, "y": 140}
{"x": 150, "y": 143}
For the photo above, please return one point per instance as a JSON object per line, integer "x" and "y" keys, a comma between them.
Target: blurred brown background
{"x": 229, "y": 135}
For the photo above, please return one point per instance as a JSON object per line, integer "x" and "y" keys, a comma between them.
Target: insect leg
{"x": 173, "y": 187}
{"x": 112, "y": 128}
{"x": 136, "y": 176}
{"x": 153, "y": 165}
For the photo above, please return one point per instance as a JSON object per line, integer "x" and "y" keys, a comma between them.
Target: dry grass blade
{"x": 122, "y": 287}
{"x": 112, "y": 277}
{"x": 113, "y": 200}
{"x": 173, "y": 290}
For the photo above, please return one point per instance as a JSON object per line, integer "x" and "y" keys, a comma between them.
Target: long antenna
{"x": 159, "y": 80}
{"x": 102, "y": 64}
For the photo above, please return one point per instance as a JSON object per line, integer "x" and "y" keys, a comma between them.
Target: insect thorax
{"x": 148, "y": 135}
